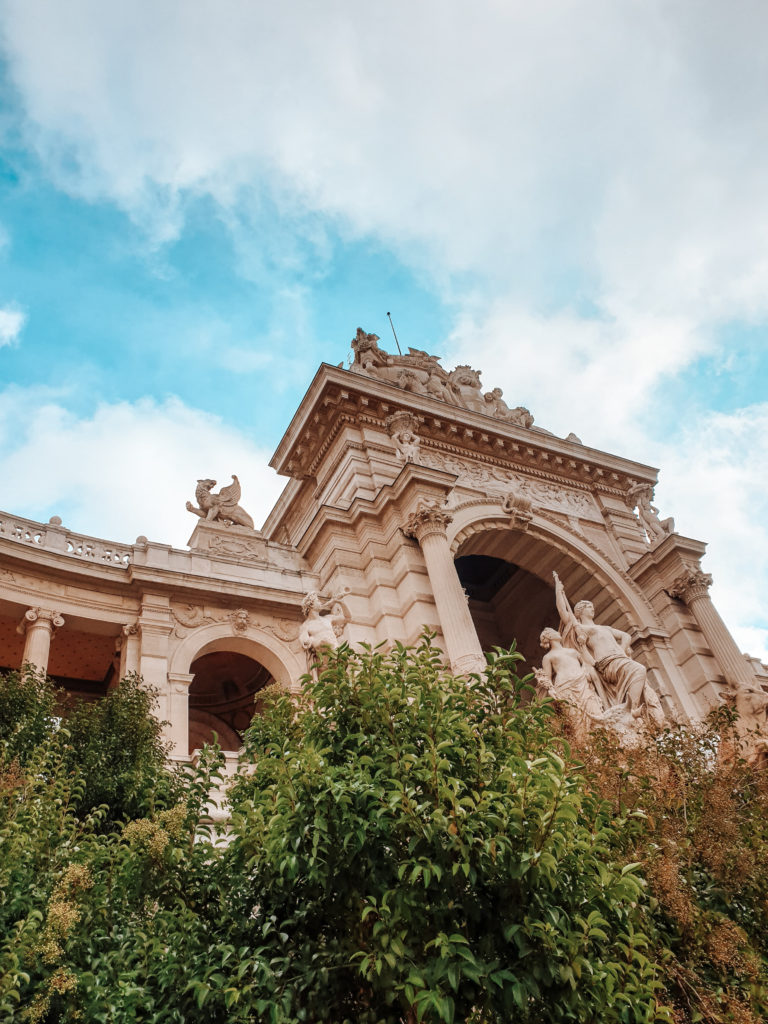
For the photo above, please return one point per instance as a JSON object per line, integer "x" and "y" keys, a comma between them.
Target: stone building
{"x": 413, "y": 498}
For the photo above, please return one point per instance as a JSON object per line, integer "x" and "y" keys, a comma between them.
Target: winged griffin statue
{"x": 222, "y": 507}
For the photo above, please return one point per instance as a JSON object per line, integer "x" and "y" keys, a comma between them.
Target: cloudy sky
{"x": 201, "y": 200}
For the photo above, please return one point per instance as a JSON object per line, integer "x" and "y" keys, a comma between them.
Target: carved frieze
{"x": 496, "y": 479}
{"x": 190, "y": 617}
{"x": 235, "y": 547}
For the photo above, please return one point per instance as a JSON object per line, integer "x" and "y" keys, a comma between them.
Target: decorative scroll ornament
{"x": 222, "y": 507}
{"x": 691, "y": 585}
{"x": 40, "y": 616}
{"x": 520, "y": 509}
{"x": 429, "y": 517}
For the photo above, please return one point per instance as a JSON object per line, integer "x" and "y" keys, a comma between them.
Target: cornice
{"x": 337, "y": 397}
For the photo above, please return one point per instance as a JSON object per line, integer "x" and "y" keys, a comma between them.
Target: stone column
{"x": 178, "y": 711}
{"x": 129, "y": 649}
{"x": 40, "y": 626}
{"x": 427, "y": 525}
{"x": 692, "y": 587}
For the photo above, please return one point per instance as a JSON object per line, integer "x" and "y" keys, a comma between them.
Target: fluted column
{"x": 428, "y": 526}
{"x": 39, "y": 626}
{"x": 129, "y": 649}
{"x": 692, "y": 587}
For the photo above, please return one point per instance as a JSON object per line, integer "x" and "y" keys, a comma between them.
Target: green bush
{"x": 403, "y": 846}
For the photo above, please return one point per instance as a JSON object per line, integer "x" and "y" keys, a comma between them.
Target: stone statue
{"x": 222, "y": 507}
{"x": 367, "y": 352}
{"x": 624, "y": 680}
{"x": 465, "y": 384}
{"x": 324, "y": 622}
{"x": 421, "y": 374}
{"x": 564, "y": 676}
{"x": 657, "y": 529}
{"x": 402, "y": 429}
{"x": 496, "y": 406}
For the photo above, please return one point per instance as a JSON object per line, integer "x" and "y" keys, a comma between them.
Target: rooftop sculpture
{"x": 222, "y": 507}
{"x": 422, "y": 374}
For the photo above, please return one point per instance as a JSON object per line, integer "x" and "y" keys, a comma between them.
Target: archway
{"x": 223, "y": 697}
{"x": 507, "y": 574}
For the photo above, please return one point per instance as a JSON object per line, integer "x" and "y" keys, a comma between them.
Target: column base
{"x": 469, "y": 664}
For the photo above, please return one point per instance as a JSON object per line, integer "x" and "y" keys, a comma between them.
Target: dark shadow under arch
{"x": 222, "y": 697}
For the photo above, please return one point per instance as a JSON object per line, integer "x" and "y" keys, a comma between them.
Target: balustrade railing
{"x": 52, "y": 536}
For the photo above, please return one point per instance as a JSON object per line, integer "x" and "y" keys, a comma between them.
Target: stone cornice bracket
{"x": 428, "y": 519}
{"x": 40, "y": 617}
{"x": 690, "y": 586}
{"x": 131, "y": 629}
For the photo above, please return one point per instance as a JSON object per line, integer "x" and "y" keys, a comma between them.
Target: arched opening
{"x": 507, "y": 575}
{"x": 223, "y": 697}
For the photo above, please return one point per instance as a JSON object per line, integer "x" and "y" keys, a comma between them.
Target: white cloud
{"x": 592, "y": 375}
{"x": 126, "y": 470}
{"x": 11, "y": 323}
{"x": 527, "y": 142}
{"x": 713, "y": 482}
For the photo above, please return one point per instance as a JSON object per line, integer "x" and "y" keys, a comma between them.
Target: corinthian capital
{"x": 428, "y": 518}
{"x": 40, "y": 617}
{"x": 690, "y": 585}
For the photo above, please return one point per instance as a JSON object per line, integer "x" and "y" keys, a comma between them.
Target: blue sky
{"x": 201, "y": 201}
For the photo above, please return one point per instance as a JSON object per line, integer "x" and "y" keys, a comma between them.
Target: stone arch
{"x": 275, "y": 655}
{"x": 229, "y": 669}
{"x": 545, "y": 543}
{"x": 519, "y": 603}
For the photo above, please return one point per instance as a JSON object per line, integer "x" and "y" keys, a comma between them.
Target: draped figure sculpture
{"x": 564, "y": 676}
{"x": 623, "y": 680}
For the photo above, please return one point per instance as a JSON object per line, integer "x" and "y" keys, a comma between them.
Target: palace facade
{"x": 413, "y": 498}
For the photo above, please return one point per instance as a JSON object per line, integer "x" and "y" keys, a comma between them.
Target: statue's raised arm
{"x": 563, "y": 605}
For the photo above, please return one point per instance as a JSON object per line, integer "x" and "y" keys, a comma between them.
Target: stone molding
{"x": 691, "y": 586}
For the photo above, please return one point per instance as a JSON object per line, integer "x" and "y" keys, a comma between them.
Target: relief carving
{"x": 402, "y": 427}
{"x": 540, "y": 492}
{"x": 254, "y": 550}
{"x": 520, "y": 509}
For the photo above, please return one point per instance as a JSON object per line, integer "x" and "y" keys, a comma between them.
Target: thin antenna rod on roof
{"x": 394, "y": 332}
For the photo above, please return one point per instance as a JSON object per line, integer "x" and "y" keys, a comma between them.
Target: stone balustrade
{"x": 53, "y": 536}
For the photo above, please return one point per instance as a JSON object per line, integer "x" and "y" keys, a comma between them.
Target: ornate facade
{"x": 413, "y": 498}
